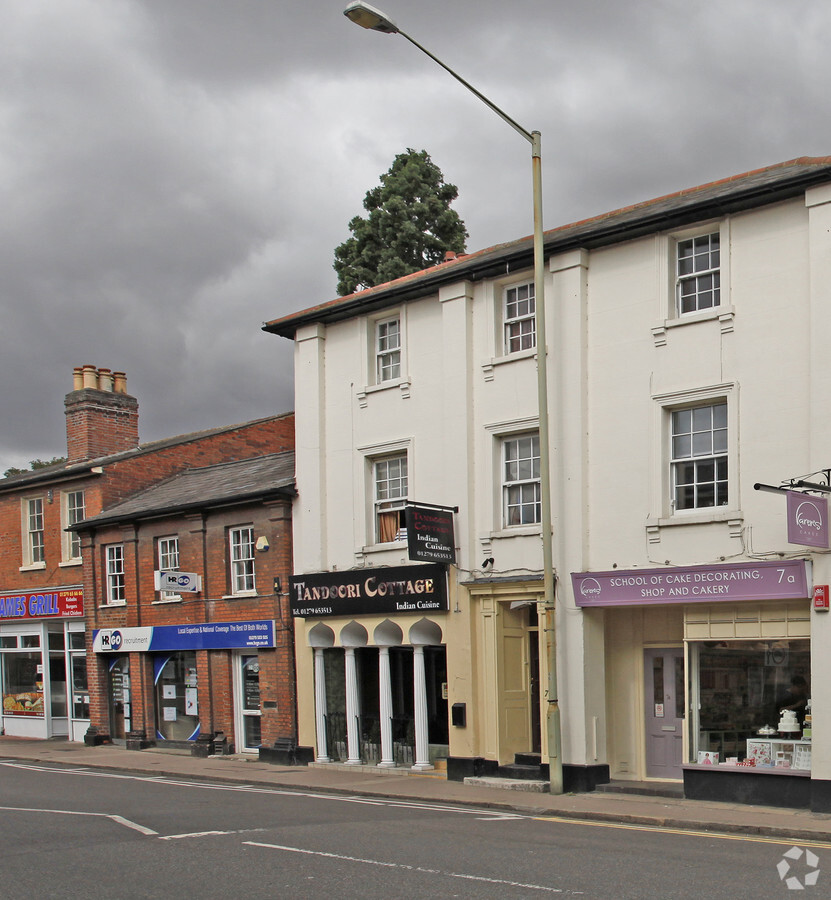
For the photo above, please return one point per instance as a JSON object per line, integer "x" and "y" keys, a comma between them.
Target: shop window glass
{"x": 742, "y": 687}
{"x": 22, "y": 684}
{"x": 177, "y": 713}
{"x": 80, "y": 691}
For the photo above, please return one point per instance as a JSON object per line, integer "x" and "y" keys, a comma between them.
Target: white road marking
{"x": 250, "y": 789}
{"x": 421, "y": 869}
{"x": 199, "y": 834}
{"x": 120, "y": 820}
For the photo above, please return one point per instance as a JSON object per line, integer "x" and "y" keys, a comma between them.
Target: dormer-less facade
{"x": 686, "y": 348}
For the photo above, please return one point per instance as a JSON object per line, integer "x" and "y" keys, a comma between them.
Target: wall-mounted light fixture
{"x": 278, "y": 585}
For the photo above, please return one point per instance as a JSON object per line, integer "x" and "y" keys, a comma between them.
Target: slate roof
{"x": 208, "y": 486}
{"x": 760, "y": 187}
{"x": 84, "y": 467}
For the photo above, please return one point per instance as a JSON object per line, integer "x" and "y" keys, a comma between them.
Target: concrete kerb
{"x": 703, "y": 817}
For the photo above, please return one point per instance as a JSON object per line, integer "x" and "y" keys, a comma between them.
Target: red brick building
{"x": 44, "y": 594}
{"x": 192, "y": 634}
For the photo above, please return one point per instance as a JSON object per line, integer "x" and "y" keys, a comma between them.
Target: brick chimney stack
{"x": 101, "y": 417}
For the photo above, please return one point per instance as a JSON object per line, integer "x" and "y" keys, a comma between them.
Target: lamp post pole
{"x": 373, "y": 19}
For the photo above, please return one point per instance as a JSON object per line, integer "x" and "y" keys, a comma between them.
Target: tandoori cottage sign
{"x": 52, "y": 604}
{"x": 786, "y": 579}
{"x": 398, "y": 589}
{"x": 430, "y": 534}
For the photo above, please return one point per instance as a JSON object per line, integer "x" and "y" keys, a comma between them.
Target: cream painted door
{"x": 514, "y": 712}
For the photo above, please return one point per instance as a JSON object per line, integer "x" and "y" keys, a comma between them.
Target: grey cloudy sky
{"x": 175, "y": 172}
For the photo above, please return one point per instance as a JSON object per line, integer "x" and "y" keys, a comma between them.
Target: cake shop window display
{"x": 739, "y": 688}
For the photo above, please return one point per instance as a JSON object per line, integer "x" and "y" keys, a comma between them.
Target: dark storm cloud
{"x": 175, "y": 172}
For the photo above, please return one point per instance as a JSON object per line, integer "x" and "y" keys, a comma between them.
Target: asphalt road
{"x": 68, "y": 832}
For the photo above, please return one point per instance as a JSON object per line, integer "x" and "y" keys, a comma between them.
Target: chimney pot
{"x": 90, "y": 377}
{"x": 105, "y": 380}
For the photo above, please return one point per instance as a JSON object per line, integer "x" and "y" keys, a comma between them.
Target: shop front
{"x": 717, "y": 659}
{"x": 43, "y": 674}
{"x": 374, "y": 670}
{"x": 171, "y": 683}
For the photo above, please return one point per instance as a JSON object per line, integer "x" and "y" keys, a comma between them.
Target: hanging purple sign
{"x": 807, "y": 520}
{"x": 785, "y": 579}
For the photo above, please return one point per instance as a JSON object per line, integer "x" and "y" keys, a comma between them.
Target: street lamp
{"x": 373, "y": 19}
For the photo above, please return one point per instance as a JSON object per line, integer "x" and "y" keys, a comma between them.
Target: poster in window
{"x": 169, "y": 714}
{"x": 191, "y": 705}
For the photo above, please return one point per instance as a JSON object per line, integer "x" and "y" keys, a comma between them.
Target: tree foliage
{"x": 34, "y": 465}
{"x": 410, "y": 226}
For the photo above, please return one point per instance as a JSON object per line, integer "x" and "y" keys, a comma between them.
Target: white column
{"x": 422, "y": 753}
{"x": 320, "y": 707}
{"x": 385, "y": 691}
{"x": 353, "y": 742}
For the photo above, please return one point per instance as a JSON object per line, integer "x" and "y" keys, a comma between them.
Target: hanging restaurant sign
{"x": 430, "y": 534}
{"x": 397, "y": 589}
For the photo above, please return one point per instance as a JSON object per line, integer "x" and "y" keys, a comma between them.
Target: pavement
{"x": 632, "y": 809}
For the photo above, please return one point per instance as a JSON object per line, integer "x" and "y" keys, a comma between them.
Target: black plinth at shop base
{"x": 760, "y": 787}
{"x": 285, "y": 752}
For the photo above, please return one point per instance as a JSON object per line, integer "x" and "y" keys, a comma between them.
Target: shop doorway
{"x": 664, "y": 689}
{"x": 177, "y": 707}
{"x": 249, "y": 710}
{"x": 119, "y": 697}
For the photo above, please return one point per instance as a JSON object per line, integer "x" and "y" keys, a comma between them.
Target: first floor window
{"x": 114, "y": 557}
{"x": 75, "y": 512}
{"x": 168, "y": 549}
{"x": 390, "y": 498}
{"x": 699, "y": 456}
{"x": 34, "y": 519}
{"x": 388, "y": 349}
{"x": 521, "y": 480}
{"x": 520, "y": 324}
{"x": 242, "y": 560}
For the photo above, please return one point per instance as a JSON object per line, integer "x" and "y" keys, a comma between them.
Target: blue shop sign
{"x": 191, "y": 636}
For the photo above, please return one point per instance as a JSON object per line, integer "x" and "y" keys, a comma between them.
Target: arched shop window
{"x": 177, "y": 710}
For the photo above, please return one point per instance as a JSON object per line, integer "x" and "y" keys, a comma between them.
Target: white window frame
{"x": 663, "y": 512}
{"x": 520, "y": 481}
{"x": 519, "y": 331}
{"x": 34, "y": 533}
{"x": 387, "y": 344}
{"x": 390, "y": 491}
{"x": 72, "y": 512}
{"x": 168, "y": 561}
{"x": 114, "y": 563}
{"x": 699, "y": 439}
{"x": 241, "y": 555}
{"x": 701, "y": 264}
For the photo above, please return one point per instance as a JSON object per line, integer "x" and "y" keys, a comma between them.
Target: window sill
{"x": 242, "y": 595}
{"x": 489, "y": 366}
{"x": 114, "y": 604}
{"x": 516, "y": 531}
{"x": 723, "y": 314}
{"x": 70, "y": 562}
{"x": 733, "y": 518}
{"x": 33, "y": 567}
{"x": 161, "y": 601}
{"x": 403, "y": 385}
{"x": 380, "y": 548}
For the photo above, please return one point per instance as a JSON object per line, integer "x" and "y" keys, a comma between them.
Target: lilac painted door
{"x": 664, "y": 687}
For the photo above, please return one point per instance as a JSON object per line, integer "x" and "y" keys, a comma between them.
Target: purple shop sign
{"x": 786, "y": 579}
{"x": 807, "y": 520}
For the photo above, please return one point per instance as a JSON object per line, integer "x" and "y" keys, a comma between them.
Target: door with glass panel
{"x": 248, "y": 703}
{"x": 665, "y": 703}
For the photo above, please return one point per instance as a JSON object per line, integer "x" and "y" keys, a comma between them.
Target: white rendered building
{"x": 687, "y": 362}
